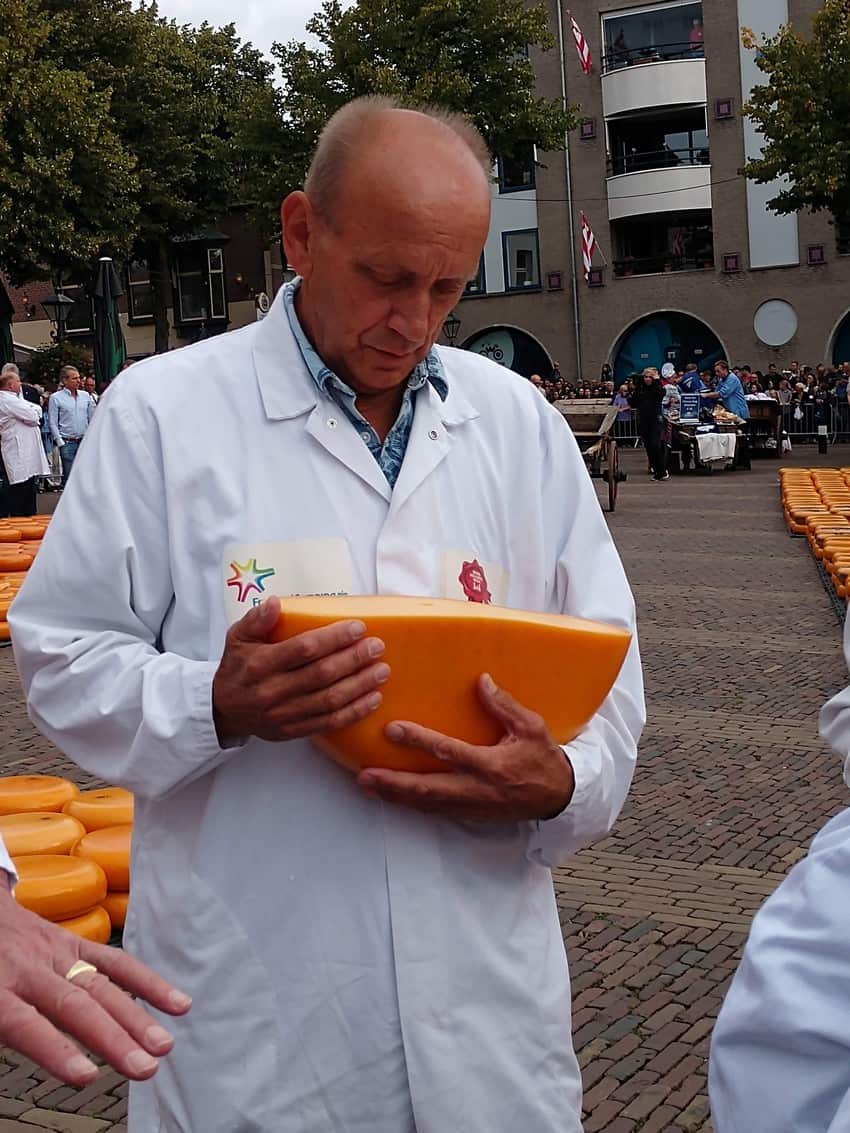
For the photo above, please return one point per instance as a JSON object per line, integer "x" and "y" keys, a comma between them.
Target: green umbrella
{"x": 110, "y": 350}
{"x": 7, "y": 347}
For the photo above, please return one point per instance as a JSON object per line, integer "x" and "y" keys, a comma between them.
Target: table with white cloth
{"x": 711, "y": 449}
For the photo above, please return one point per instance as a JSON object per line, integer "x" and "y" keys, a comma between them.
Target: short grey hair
{"x": 345, "y": 130}
{"x": 10, "y": 368}
{"x": 66, "y": 370}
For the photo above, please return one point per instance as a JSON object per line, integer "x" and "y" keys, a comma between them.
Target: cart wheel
{"x": 613, "y": 475}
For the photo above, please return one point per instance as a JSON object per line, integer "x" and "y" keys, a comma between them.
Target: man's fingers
{"x": 444, "y": 793}
{"x": 453, "y": 752}
{"x": 515, "y": 719}
{"x": 258, "y": 623}
{"x": 36, "y": 1038}
{"x": 70, "y": 1007}
{"x": 129, "y": 1015}
{"x": 133, "y": 976}
{"x": 332, "y": 699}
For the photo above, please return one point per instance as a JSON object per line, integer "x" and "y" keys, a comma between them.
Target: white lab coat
{"x": 20, "y": 438}
{"x": 780, "y": 1055}
{"x": 835, "y": 716}
{"x": 6, "y": 861}
{"x": 355, "y": 966}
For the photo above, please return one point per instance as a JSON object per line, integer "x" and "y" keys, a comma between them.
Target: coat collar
{"x": 288, "y": 390}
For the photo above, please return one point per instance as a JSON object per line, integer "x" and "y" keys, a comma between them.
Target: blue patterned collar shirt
{"x": 390, "y": 453}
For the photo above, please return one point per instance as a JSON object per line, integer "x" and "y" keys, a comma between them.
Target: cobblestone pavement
{"x": 741, "y": 647}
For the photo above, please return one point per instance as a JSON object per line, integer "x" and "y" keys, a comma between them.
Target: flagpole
{"x": 569, "y": 178}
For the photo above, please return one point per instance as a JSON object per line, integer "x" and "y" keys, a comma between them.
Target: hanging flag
{"x": 581, "y": 46}
{"x": 588, "y": 245}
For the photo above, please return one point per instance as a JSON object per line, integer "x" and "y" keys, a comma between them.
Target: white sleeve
{"x": 145, "y": 721}
{"x": 590, "y": 582}
{"x": 22, "y": 410}
{"x": 780, "y": 1052}
{"x": 835, "y": 716}
{"x": 6, "y": 863}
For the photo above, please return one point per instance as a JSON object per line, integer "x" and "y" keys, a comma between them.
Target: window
{"x": 664, "y": 243}
{"x": 658, "y": 142}
{"x": 522, "y": 259}
{"x": 139, "y": 291}
{"x": 80, "y": 317}
{"x": 516, "y": 171}
{"x": 652, "y": 35}
{"x": 201, "y": 292}
{"x": 478, "y": 285}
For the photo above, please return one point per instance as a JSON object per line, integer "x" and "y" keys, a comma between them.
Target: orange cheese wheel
{"x": 94, "y": 925}
{"x": 110, "y": 848}
{"x": 21, "y": 794}
{"x": 13, "y": 558}
{"x": 40, "y": 832}
{"x": 5, "y": 632}
{"x": 108, "y": 806}
{"x": 10, "y": 534}
{"x": 438, "y": 648}
{"x": 58, "y": 887}
{"x": 116, "y": 905}
{"x": 31, "y": 534}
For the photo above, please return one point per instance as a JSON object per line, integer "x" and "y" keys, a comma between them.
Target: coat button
{"x": 331, "y": 422}
{"x": 433, "y": 434}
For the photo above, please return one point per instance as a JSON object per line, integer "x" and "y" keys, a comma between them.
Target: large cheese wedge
{"x": 94, "y": 925}
{"x": 560, "y": 667}
{"x": 41, "y": 832}
{"x": 110, "y": 848}
{"x": 23, "y": 793}
{"x": 116, "y": 905}
{"x": 59, "y": 887}
{"x": 109, "y": 806}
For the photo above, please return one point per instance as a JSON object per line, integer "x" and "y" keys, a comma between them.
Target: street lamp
{"x": 57, "y": 308}
{"x": 451, "y": 327}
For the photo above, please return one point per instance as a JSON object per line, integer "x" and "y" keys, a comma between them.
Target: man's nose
{"x": 410, "y": 316}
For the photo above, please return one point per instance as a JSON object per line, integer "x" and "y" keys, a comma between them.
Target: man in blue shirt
{"x": 728, "y": 391}
{"x": 69, "y": 411}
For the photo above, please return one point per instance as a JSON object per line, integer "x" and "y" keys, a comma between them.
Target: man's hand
{"x": 37, "y": 1003}
{"x": 525, "y": 776}
{"x": 316, "y": 682}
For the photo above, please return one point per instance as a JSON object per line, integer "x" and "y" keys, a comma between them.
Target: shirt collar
{"x": 430, "y": 369}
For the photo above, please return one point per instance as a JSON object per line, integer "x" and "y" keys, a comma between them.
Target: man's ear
{"x": 298, "y": 223}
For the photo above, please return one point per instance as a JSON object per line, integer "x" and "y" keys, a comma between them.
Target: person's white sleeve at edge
{"x": 6, "y": 863}
{"x": 835, "y": 717}
{"x": 780, "y": 1054}
{"x": 589, "y": 583}
{"x": 89, "y": 615}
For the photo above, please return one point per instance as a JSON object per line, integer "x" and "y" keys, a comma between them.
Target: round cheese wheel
{"x": 12, "y": 558}
{"x": 108, "y": 806}
{"x": 438, "y": 648}
{"x": 40, "y": 832}
{"x": 94, "y": 925}
{"x": 31, "y": 533}
{"x": 116, "y": 905}
{"x": 10, "y": 534}
{"x": 21, "y": 794}
{"x": 58, "y": 887}
{"x": 5, "y": 632}
{"x": 110, "y": 848}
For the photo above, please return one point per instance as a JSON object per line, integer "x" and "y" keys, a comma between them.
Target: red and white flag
{"x": 588, "y": 245}
{"x": 581, "y": 46}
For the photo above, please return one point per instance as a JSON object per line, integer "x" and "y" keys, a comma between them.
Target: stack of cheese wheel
{"x": 20, "y": 539}
{"x": 107, "y": 815}
{"x": 816, "y": 503}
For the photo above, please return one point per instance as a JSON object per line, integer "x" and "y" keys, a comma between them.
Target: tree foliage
{"x": 470, "y": 56}
{"x": 803, "y": 111}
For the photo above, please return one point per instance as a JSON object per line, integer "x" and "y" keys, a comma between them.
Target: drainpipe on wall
{"x": 569, "y": 179}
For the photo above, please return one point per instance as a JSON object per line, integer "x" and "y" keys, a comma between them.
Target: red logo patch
{"x": 474, "y": 582}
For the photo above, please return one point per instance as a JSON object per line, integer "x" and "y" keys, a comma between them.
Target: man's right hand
{"x": 316, "y": 682}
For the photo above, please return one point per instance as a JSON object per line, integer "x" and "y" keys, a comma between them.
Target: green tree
{"x": 68, "y": 187}
{"x": 470, "y": 56}
{"x": 803, "y": 111}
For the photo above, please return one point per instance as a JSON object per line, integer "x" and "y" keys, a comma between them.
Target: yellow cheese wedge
{"x": 20, "y": 794}
{"x": 560, "y": 667}
{"x": 116, "y": 905}
{"x": 58, "y": 887}
{"x": 109, "y": 806}
{"x": 94, "y": 925}
{"x": 40, "y": 832}
{"x": 110, "y": 848}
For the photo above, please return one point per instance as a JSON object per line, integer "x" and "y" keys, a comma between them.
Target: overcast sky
{"x": 261, "y": 22}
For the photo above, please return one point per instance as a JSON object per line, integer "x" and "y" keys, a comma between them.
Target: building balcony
{"x": 655, "y": 83}
{"x": 671, "y": 188}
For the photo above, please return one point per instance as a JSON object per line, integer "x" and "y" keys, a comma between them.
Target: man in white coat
{"x": 379, "y": 952}
{"x": 20, "y": 443}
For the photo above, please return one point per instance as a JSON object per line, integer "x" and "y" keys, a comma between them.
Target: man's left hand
{"x": 526, "y": 776}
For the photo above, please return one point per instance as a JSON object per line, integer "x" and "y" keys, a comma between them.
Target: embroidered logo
{"x": 474, "y": 582}
{"x": 249, "y": 577}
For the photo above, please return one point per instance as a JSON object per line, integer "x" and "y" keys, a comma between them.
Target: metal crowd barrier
{"x": 801, "y": 430}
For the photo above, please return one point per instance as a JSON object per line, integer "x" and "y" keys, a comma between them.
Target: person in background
{"x": 689, "y": 382}
{"x": 20, "y": 441}
{"x": 91, "y": 389}
{"x": 70, "y": 411}
{"x": 646, "y": 401}
{"x": 728, "y": 391}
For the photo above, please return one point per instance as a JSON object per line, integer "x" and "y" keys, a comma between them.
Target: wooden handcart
{"x": 592, "y": 421}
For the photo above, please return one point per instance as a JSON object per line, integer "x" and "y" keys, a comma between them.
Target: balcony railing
{"x": 657, "y": 159}
{"x": 619, "y": 57}
{"x": 658, "y": 265}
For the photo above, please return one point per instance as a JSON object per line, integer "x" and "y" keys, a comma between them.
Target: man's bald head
{"x": 375, "y": 135}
